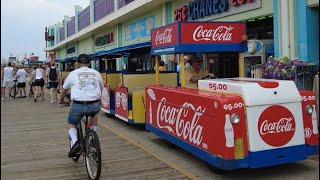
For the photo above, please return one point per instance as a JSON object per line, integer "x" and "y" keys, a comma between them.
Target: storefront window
{"x": 140, "y": 60}
{"x": 260, "y": 28}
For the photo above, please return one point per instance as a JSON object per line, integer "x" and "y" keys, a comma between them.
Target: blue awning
{"x": 71, "y": 59}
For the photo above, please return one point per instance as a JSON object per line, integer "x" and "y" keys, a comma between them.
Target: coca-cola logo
{"x": 124, "y": 101}
{"x": 164, "y": 37}
{"x": 118, "y": 99}
{"x": 221, "y": 33}
{"x": 121, "y": 99}
{"x": 182, "y": 122}
{"x": 105, "y": 97}
{"x": 276, "y": 125}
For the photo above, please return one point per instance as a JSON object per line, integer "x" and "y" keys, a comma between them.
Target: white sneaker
{"x": 52, "y": 101}
{"x": 2, "y": 99}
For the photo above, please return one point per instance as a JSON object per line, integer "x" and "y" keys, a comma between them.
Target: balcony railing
{"x": 102, "y": 8}
{"x": 122, "y": 3}
{"x": 84, "y": 18}
{"x": 71, "y": 27}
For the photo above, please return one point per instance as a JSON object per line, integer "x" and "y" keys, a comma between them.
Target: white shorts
{"x": 7, "y": 84}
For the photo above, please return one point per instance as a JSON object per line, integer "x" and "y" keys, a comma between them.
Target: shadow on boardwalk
{"x": 34, "y": 145}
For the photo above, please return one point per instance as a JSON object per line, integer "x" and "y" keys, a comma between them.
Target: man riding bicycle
{"x": 86, "y": 86}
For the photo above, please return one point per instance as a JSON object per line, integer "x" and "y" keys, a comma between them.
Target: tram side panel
{"x": 128, "y": 101}
{"x": 112, "y": 80}
{"x": 197, "y": 122}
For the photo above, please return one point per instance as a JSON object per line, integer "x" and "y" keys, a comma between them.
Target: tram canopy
{"x": 198, "y": 36}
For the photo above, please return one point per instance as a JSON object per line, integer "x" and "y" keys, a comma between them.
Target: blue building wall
{"x": 307, "y": 31}
{"x": 313, "y": 35}
{"x": 276, "y": 28}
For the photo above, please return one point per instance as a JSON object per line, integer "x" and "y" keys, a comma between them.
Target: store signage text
{"x": 221, "y": 33}
{"x": 103, "y": 40}
{"x": 212, "y": 33}
{"x": 165, "y": 36}
{"x": 202, "y": 8}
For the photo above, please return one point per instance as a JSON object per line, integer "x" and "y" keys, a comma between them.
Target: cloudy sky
{"x": 23, "y": 23}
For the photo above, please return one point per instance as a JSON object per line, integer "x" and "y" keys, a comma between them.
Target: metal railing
{"x": 303, "y": 79}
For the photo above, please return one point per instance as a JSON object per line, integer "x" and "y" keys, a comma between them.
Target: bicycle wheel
{"x": 13, "y": 91}
{"x": 93, "y": 155}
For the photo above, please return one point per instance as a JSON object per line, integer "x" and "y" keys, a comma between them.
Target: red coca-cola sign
{"x": 121, "y": 104}
{"x": 105, "y": 98}
{"x": 212, "y": 33}
{"x": 276, "y": 125}
{"x": 165, "y": 36}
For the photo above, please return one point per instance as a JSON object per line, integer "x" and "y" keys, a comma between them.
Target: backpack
{"x": 53, "y": 74}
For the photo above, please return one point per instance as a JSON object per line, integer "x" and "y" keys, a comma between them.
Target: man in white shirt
{"x": 22, "y": 79}
{"x": 7, "y": 80}
{"x": 86, "y": 86}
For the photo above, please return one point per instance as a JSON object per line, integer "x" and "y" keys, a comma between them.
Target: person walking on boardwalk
{"x": 39, "y": 83}
{"x": 53, "y": 79}
{"x": 22, "y": 79}
{"x": 7, "y": 80}
{"x": 86, "y": 86}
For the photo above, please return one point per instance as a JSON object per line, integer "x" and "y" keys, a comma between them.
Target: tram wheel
{"x": 216, "y": 170}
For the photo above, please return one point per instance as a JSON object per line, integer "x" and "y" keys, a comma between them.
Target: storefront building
{"x": 116, "y": 33}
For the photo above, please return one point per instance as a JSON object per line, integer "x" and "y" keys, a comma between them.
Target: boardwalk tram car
{"x": 230, "y": 123}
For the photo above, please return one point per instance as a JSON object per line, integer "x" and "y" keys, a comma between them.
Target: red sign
{"x": 165, "y": 36}
{"x": 197, "y": 119}
{"x": 181, "y": 14}
{"x": 276, "y": 125}
{"x": 121, "y": 104}
{"x": 105, "y": 99}
{"x": 264, "y": 84}
{"x": 310, "y": 121}
{"x": 34, "y": 58}
{"x": 212, "y": 33}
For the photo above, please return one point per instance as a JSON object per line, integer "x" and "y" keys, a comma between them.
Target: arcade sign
{"x": 203, "y": 8}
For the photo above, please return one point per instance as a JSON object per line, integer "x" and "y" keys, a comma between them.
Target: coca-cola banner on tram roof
{"x": 165, "y": 36}
{"x": 178, "y": 37}
{"x": 212, "y": 33}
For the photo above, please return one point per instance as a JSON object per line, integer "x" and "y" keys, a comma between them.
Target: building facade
{"x": 113, "y": 29}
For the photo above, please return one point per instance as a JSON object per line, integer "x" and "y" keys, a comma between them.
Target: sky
{"x": 23, "y": 24}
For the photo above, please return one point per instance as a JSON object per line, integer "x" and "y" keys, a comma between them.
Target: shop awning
{"x": 198, "y": 36}
{"x": 122, "y": 51}
{"x": 71, "y": 59}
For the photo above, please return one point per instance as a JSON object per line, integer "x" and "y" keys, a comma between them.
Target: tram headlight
{"x": 235, "y": 119}
{"x": 309, "y": 109}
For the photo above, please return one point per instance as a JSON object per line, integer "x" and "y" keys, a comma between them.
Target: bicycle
{"x": 14, "y": 90}
{"x": 90, "y": 148}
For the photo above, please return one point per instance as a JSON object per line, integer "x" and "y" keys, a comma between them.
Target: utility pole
{"x": 46, "y": 36}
